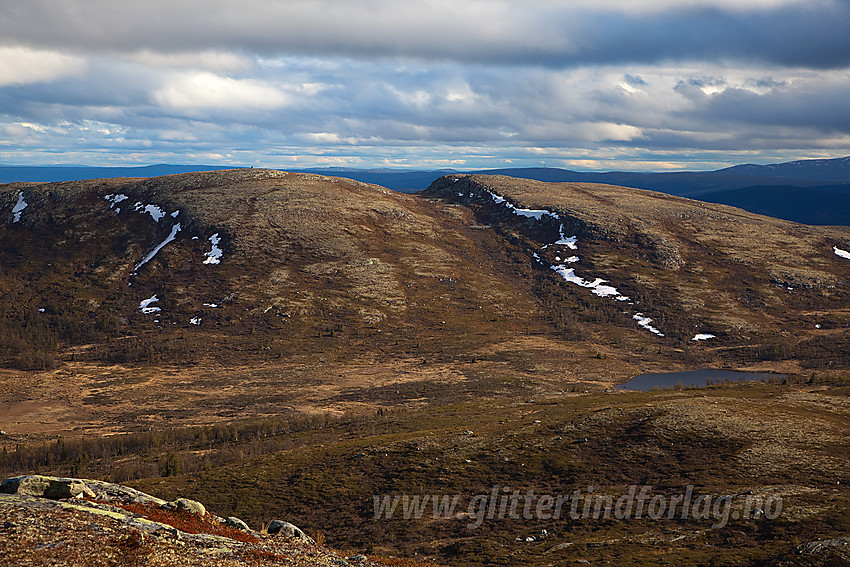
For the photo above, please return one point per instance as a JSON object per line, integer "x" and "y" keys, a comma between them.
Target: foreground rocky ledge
{"x": 80, "y": 522}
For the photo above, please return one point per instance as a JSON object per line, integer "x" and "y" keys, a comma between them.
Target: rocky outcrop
{"x": 46, "y": 487}
{"x": 285, "y": 528}
{"x": 236, "y": 523}
{"x": 50, "y": 521}
{"x": 186, "y": 505}
{"x": 818, "y": 553}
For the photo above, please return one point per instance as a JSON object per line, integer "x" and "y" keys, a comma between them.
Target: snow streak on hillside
{"x": 19, "y": 207}
{"x": 598, "y": 286}
{"x": 174, "y": 230}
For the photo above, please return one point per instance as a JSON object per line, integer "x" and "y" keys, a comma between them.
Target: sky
{"x": 652, "y": 85}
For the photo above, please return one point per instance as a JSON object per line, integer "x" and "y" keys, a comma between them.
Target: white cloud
{"x": 201, "y": 90}
{"x": 221, "y": 61}
{"x": 418, "y": 98}
{"x": 559, "y": 133}
{"x": 654, "y": 6}
{"x": 309, "y": 89}
{"x": 23, "y": 65}
{"x": 602, "y": 131}
{"x": 323, "y": 137}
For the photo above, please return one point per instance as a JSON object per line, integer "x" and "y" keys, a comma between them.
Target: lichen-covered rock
{"x": 234, "y": 522}
{"x": 41, "y": 531}
{"x": 285, "y": 528}
{"x": 834, "y": 551}
{"x": 46, "y": 487}
{"x": 186, "y": 505}
{"x": 115, "y": 492}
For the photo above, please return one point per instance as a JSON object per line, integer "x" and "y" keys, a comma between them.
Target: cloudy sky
{"x": 582, "y": 84}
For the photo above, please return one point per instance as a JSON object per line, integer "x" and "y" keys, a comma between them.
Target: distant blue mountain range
{"x": 50, "y": 173}
{"x": 807, "y": 191}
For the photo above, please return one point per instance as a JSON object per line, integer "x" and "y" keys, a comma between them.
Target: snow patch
{"x": 19, "y": 207}
{"x": 174, "y": 230}
{"x": 114, "y": 199}
{"x": 568, "y": 241}
{"x": 210, "y": 305}
{"x": 195, "y": 320}
{"x": 535, "y": 214}
{"x": 703, "y": 337}
{"x": 839, "y": 252}
{"x": 175, "y": 213}
{"x": 155, "y": 212}
{"x": 144, "y": 305}
{"x": 644, "y": 322}
{"x": 214, "y": 255}
{"x": 596, "y": 286}
{"x": 497, "y": 198}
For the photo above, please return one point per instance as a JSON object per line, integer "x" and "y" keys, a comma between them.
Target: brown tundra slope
{"x": 206, "y": 297}
{"x": 768, "y": 289}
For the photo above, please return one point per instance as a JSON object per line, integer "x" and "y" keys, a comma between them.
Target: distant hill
{"x": 683, "y": 184}
{"x": 805, "y": 191}
{"x": 397, "y": 180}
{"x": 53, "y": 173}
{"x": 824, "y": 205}
{"x": 802, "y": 173}
{"x": 401, "y": 181}
{"x": 832, "y": 170}
{"x": 263, "y": 265}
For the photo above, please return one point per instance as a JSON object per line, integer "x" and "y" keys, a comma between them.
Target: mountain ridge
{"x": 434, "y": 286}
{"x": 806, "y": 191}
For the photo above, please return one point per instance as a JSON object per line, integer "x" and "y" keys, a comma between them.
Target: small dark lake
{"x": 697, "y": 378}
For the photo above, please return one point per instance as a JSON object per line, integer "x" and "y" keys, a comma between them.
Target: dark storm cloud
{"x": 812, "y": 34}
{"x": 826, "y": 108}
{"x": 430, "y": 83}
